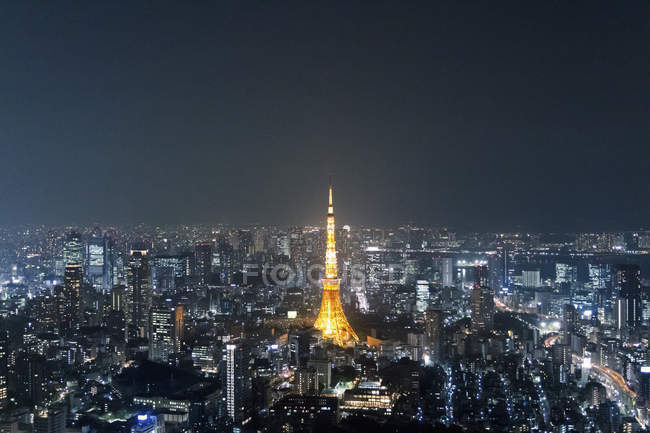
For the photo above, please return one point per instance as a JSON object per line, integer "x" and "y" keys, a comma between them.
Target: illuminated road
{"x": 612, "y": 377}
{"x": 503, "y": 307}
{"x": 551, "y": 340}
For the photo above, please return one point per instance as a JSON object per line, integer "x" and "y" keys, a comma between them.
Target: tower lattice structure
{"x": 331, "y": 319}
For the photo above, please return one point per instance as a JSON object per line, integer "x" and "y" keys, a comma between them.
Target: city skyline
{"x": 167, "y": 264}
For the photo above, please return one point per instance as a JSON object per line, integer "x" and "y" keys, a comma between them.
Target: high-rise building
{"x": 259, "y": 241}
{"x": 170, "y": 271}
{"x": 569, "y": 323}
{"x": 31, "y": 378}
{"x": 600, "y": 276}
{"x": 565, "y": 273}
{"x": 223, "y": 259}
{"x": 139, "y": 292}
{"x": 304, "y": 381}
{"x": 161, "y": 338}
{"x": 203, "y": 260}
{"x": 447, "y": 272}
{"x": 118, "y": 299}
{"x": 179, "y": 326}
{"x": 331, "y": 319}
{"x": 482, "y": 300}
{"x": 627, "y": 284}
{"x": 99, "y": 264}
{"x": 433, "y": 329}
{"x": 73, "y": 249}
{"x": 531, "y": 278}
{"x": 238, "y": 382}
{"x": 95, "y": 256}
{"x": 283, "y": 244}
{"x": 323, "y": 369}
{"x": 71, "y": 299}
{"x": 421, "y": 296}
{"x": 561, "y": 357}
{"x": 50, "y": 420}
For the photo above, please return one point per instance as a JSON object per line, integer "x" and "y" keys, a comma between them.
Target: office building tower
{"x": 569, "y": 323}
{"x": 95, "y": 260}
{"x": 323, "y": 375}
{"x": 50, "y": 420}
{"x": 331, "y": 319}
{"x": 447, "y": 266}
{"x": 565, "y": 273}
{"x": 433, "y": 330}
{"x": 298, "y": 349}
{"x": 238, "y": 382}
{"x": 161, "y": 335}
{"x": 118, "y": 299}
{"x": 497, "y": 264}
{"x": 482, "y": 302}
{"x": 421, "y": 296}
{"x": 283, "y": 245}
{"x": 179, "y": 327}
{"x": 170, "y": 271}
{"x": 304, "y": 381}
{"x": 31, "y": 378}
{"x": 245, "y": 238}
{"x": 531, "y": 278}
{"x": 223, "y": 260}
{"x": 139, "y": 292}
{"x": 71, "y": 296}
{"x": 203, "y": 261}
{"x": 627, "y": 286}
{"x": 259, "y": 241}
{"x": 561, "y": 365}
{"x": 600, "y": 276}
{"x": 73, "y": 249}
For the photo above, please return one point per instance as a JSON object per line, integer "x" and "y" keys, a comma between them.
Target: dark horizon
{"x": 469, "y": 116}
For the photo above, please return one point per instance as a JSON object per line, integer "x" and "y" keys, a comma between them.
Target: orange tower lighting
{"x": 331, "y": 320}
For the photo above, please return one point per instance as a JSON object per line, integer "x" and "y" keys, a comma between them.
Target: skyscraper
{"x": 95, "y": 260}
{"x": 139, "y": 293}
{"x": 203, "y": 260}
{"x": 161, "y": 341}
{"x": 627, "y": 283}
{"x": 482, "y": 299}
{"x": 531, "y": 278}
{"x": 447, "y": 272}
{"x": 238, "y": 382}
{"x": 73, "y": 249}
{"x": 331, "y": 319}
{"x": 433, "y": 328}
{"x": 50, "y": 421}
{"x": 569, "y": 323}
{"x": 71, "y": 299}
{"x": 179, "y": 326}
{"x": 565, "y": 273}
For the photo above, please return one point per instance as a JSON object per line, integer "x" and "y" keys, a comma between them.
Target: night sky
{"x": 483, "y": 116}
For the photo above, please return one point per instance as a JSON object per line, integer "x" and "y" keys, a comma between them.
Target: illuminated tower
{"x": 331, "y": 320}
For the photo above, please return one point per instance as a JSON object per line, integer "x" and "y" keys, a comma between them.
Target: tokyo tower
{"x": 331, "y": 320}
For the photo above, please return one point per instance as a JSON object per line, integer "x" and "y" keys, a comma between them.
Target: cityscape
{"x": 324, "y": 217}
{"x": 199, "y": 328}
